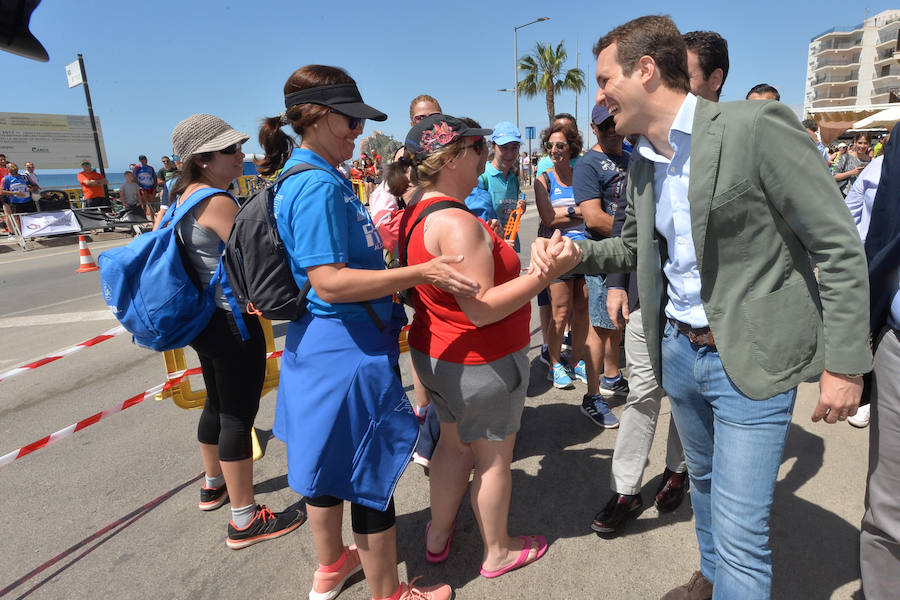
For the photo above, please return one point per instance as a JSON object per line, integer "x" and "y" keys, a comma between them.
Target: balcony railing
{"x": 837, "y": 62}
{"x": 835, "y": 80}
{"x": 839, "y": 29}
{"x": 840, "y": 45}
{"x": 885, "y": 89}
{"x": 894, "y": 72}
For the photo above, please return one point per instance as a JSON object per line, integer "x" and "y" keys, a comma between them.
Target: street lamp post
{"x": 516, "y": 59}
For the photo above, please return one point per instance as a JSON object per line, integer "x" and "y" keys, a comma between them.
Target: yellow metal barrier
{"x": 187, "y": 398}
{"x": 359, "y": 188}
{"x": 247, "y": 184}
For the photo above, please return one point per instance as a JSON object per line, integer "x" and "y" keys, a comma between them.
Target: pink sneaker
{"x": 410, "y": 591}
{"x": 327, "y": 585}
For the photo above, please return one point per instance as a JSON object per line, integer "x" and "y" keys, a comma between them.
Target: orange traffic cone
{"x": 84, "y": 255}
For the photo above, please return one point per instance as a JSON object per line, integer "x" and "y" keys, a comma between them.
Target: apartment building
{"x": 852, "y": 71}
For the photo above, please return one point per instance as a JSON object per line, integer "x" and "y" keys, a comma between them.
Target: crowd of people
{"x": 713, "y": 238}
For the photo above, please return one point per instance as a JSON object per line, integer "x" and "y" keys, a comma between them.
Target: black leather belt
{"x": 702, "y": 336}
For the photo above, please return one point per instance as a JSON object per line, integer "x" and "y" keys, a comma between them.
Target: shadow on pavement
{"x": 814, "y": 551}
{"x": 92, "y": 542}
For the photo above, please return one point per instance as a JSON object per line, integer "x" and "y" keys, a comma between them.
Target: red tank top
{"x": 440, "y": 328}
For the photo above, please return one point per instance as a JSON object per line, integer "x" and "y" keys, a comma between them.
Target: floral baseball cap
{"x": 437, "y": 131}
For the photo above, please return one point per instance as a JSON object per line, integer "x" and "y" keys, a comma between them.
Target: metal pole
{"x": 576, "y": 93}
{"x": 516, "y": 69}
{"x": 87, "y": 96}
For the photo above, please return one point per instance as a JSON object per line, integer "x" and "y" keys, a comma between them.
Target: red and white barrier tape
{"x": 172, "y": 379}
{"x": 49, "y": 359}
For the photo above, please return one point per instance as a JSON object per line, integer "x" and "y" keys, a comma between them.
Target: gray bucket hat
{"x": 204, "y": 133}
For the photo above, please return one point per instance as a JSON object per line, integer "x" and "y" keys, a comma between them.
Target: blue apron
{"x": 341, "y": 409}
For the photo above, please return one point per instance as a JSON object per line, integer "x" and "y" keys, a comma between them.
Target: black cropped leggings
{"x": 233, "y": 371}
{"x": 365, "y": 520}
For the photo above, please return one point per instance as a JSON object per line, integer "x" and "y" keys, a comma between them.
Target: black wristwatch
{"x": 571, "y": 212}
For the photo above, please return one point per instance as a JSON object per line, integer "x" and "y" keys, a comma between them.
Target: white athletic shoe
{"x": 861, "y": 418}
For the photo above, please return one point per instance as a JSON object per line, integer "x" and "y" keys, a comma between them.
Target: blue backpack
{"x": 152, "y": 288}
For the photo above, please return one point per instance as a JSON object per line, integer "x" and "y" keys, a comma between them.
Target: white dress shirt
{"x": 673, "y": 217}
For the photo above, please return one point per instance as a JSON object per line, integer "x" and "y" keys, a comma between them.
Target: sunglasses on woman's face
{"x": 352, "y": 122}
{"x": 417, "y": 118}
{"x": 477, "y": 145}
{"x": 232, "y": 149}
{"x": 558, "y": 145}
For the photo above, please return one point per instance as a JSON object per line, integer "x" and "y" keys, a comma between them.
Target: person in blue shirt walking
{"x": 341, "y": 410}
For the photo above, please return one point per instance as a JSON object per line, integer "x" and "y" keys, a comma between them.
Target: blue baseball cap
{"x": 599, "y": 114}
{"x": 505, "y": 132}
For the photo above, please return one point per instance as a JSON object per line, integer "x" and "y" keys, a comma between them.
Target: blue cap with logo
{"x": 506, "y": 132}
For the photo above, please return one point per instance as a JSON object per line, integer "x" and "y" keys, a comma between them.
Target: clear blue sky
{"x": 150, "y": 65}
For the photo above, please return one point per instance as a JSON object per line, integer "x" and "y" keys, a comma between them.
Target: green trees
{"x": 544, "y": 73}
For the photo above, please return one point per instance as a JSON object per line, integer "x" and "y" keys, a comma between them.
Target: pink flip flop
{"x": 443, "y": 554}
{"x": 541, "y": 545}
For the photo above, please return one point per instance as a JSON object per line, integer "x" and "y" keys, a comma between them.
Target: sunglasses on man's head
{"x": 559, "y": 145}
{"x": 232, "y": 149}
{"x": 417, "y": 118}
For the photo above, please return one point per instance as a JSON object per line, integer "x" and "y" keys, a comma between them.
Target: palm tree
{"x": 544, "y": 73}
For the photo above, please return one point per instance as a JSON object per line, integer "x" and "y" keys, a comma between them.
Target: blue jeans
{"x": 733, "y": 472}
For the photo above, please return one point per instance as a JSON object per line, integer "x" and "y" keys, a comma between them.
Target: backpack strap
{"x": 189, "y": 203}
{"x": 431, "y": 208}
{"x": 300, "y": 168}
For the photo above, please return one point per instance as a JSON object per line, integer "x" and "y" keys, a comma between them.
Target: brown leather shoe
{"x": 671, "y": 490}
{"x": 698, "y": 588}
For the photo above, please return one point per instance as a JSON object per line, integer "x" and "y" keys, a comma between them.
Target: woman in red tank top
{"x": 470, "y": 353}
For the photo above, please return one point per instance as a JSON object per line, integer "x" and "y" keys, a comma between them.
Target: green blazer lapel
{"x": 706, "y": 147}
{"x": 644, "y": 201}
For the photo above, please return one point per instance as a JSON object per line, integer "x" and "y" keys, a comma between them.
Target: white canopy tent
{"x": 885, "y": 118}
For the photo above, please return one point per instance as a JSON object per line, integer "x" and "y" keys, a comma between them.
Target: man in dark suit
{"x": 726, "y": 205}
{"x": 879, "y": 541}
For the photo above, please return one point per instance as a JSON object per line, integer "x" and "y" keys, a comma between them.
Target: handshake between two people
{"x": 554, "y": 256}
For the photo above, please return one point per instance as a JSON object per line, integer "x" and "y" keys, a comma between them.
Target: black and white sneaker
{"x": 212, "y": 498}
{"x": 265, "y": 525}
{"x": 597, "y": 410}
{"x": 619, "y": 388}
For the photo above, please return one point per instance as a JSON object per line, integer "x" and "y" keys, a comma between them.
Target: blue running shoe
{"x": 578, "y": 372}
{"x": 597, "y": 410}
{"x": 560, "y": 377}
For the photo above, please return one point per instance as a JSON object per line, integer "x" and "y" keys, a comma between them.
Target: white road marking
{"x": 57, "y": 319}
{"x": 42, "y": 307}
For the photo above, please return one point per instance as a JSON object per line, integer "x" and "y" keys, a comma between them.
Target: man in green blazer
{"x": 728, "y": 206}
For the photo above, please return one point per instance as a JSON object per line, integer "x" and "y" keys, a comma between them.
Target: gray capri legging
{"x": 485, "y": 401}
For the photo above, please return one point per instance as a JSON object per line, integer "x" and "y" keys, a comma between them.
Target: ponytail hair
{"x": 277, "y": 144}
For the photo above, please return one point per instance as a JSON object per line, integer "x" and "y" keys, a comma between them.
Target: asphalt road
{"x": 111, "y": 511}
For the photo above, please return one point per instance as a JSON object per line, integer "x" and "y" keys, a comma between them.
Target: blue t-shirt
{"x": 504, "y": 191}
{"x": 16, "y": 183}
{"x": 146, "y": 176}
{"x": 481, "y": 204}
{"x": 321, "y": 221}
{"x": 600, "y": 175}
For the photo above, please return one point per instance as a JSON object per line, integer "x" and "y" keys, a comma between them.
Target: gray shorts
{"x": 596, "y": 285}
{"x": 485, "y": 401}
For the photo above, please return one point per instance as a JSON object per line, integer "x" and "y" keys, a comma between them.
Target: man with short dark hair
{"x": 707, "y": 61}
{"x": 763, "y": 91}
{"x": 733, "y": 313}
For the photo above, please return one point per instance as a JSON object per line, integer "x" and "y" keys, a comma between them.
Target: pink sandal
{"x": 540, "y": 543}
{"x": 443, "y": 554}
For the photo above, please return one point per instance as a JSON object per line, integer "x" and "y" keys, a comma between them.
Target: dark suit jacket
{"x": 761, "y": 207}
